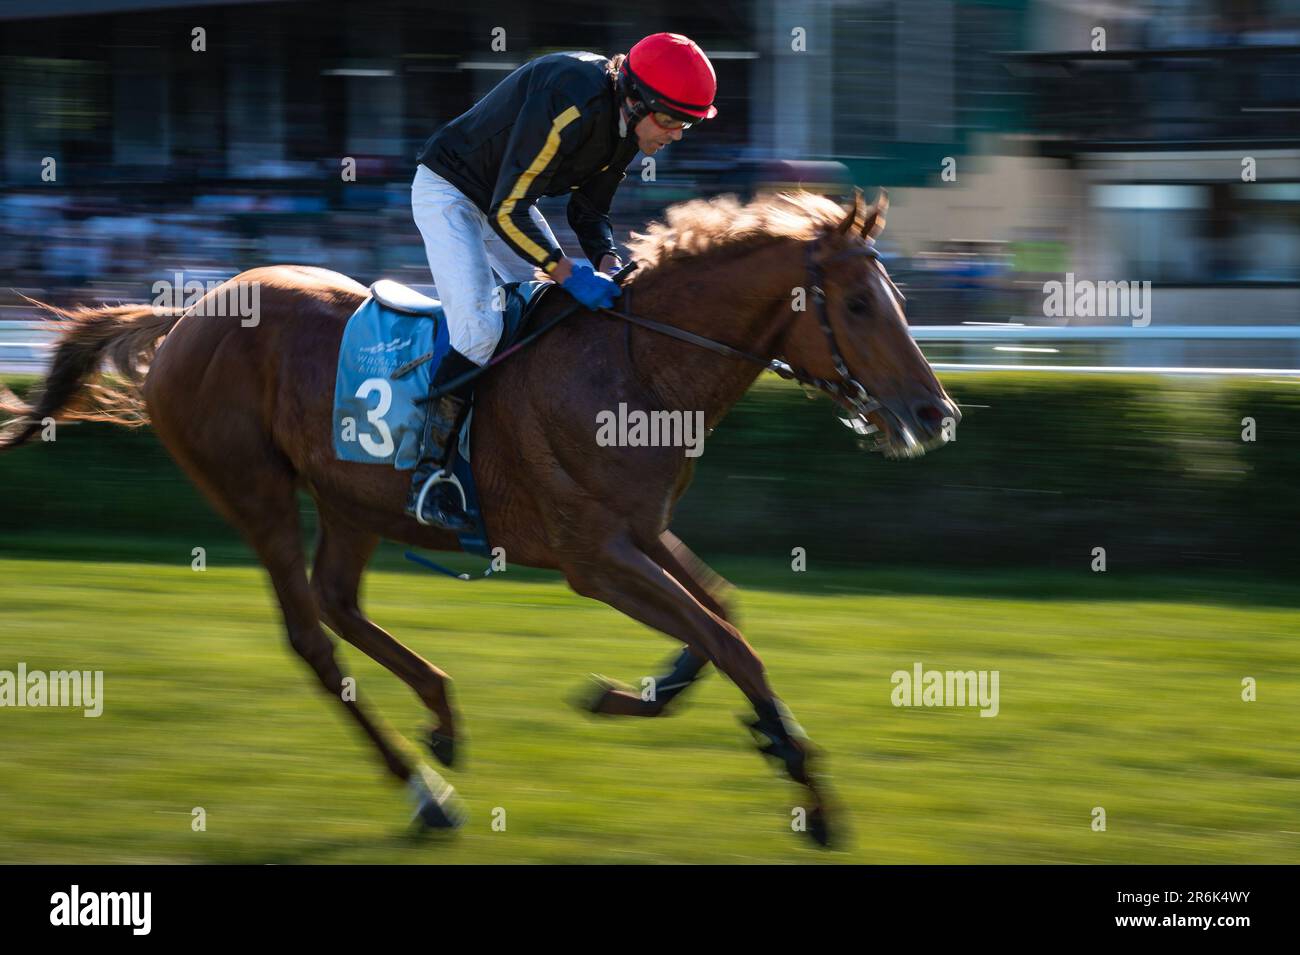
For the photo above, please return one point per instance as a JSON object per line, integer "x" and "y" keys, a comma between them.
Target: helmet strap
{"x": 631, "y": 114}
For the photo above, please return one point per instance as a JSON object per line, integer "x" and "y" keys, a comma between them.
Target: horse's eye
{"x": 859, "y": 304}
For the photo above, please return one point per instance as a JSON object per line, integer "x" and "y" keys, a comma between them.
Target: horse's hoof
{"x": 594, "y": 695}
{"x": 606, "y": 697}
{"x": 788, "y": 751}
{"x": 436, "y": 803}
{"x": 442, "y": 746}
{"x": 817, "y": 829}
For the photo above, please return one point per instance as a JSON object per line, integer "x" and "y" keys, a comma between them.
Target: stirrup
{"x": 440, "y": 476}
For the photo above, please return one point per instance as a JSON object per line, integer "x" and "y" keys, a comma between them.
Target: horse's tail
{"x": 73, "y": 390}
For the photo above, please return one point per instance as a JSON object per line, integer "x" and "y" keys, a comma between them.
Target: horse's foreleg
{"x": 626, "y": 578}
{"x": 706, "y": 586}
{"x": 341, "y": 556}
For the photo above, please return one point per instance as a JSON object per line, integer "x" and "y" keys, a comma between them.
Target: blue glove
{"x": 592, "y": 289}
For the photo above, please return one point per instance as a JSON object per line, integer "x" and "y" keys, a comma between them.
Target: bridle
{"x": 847, "y": 389}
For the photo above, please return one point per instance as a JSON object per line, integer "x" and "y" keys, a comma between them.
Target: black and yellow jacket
{"x": 549, "y": 128}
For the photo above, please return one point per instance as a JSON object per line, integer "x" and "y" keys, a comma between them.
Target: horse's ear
{"x": 874, "y": 224}
{"x": 851, "y": 218}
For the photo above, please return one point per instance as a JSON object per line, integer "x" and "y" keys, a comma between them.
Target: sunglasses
{"x": 664, "y": 121}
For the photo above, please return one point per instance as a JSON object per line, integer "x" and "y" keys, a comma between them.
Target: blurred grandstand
{"x": 1015, "y": 151}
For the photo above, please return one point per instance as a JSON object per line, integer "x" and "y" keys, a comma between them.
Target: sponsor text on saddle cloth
{"x": 391, "y": 347}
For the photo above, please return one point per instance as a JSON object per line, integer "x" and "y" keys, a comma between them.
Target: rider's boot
{"x": 442, "y": 504}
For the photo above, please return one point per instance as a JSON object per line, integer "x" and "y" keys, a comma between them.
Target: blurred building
{"x": 233, "y": 120}
{"x": 118, "y": 90}
{"x": 1018, "y": 142}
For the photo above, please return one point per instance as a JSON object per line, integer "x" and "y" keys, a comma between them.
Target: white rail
{"x": 25, "y": 345}
{"x": 1067, "y": 333}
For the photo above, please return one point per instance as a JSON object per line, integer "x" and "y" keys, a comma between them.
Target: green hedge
{"x": 1044, "y": 468}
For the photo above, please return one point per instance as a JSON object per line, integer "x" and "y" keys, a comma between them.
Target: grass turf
{"x": 1118, "y": 693}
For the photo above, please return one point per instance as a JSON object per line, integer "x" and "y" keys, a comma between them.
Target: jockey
{"x": 562, "y": 124}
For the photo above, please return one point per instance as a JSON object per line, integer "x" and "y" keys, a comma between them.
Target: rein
{"x": 848, "y": 388}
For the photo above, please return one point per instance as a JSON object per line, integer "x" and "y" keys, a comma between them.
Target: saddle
{"x": 521, "y": 300}
{"x": 391, "y": 347}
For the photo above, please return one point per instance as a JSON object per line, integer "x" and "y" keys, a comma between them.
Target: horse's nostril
{"x": 930, "y": 416}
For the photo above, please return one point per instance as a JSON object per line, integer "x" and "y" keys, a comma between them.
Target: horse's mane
{"x": 724, "y": 224}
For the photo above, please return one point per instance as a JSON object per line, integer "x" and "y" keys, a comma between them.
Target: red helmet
{"x": 672, "y": 75}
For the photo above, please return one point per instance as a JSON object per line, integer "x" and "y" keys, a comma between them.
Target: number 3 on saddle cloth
{"x": 391, "y": 347}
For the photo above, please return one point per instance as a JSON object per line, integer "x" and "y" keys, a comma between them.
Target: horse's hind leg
{"x": 342, "y": 553}
{"x": 253, "y": 486}
{"x": 705, "y": 585}
{"x": 284, "y": 560}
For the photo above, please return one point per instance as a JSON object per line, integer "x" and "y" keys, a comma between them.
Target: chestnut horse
{"x": 246, "y": 411}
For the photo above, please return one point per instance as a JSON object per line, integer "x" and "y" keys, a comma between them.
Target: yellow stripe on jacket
{"x": 542, "y": 160}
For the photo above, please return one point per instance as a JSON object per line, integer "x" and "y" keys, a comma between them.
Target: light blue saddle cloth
{"x": 391, "y": 346}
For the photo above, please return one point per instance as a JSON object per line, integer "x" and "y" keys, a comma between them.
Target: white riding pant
{"x": 463, "y": 251}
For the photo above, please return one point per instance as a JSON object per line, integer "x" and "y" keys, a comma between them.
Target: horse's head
{"x": 855, "y": 310}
